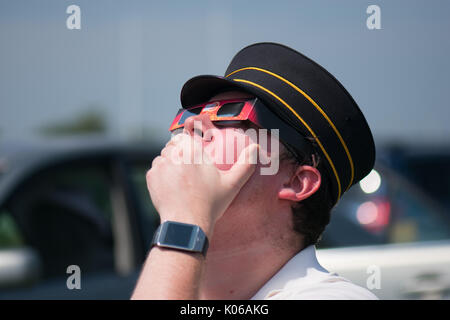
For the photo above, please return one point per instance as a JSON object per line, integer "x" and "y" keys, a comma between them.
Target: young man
{"x": 261, "y": 228}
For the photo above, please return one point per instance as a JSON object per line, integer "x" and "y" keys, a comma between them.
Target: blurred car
{"x": 73, "y": 203}
{"x": 387, "y": 227}
{"x": 85, "y": 203}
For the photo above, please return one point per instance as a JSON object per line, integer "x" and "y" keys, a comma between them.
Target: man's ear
{"x": 304, "y": 183}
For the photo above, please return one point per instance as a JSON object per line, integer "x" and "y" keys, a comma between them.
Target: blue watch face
{"x": 178, "y": 235}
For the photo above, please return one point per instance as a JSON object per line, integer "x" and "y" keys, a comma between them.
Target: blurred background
{"x": 84, "y": 111}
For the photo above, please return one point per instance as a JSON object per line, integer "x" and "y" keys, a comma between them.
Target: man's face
{"x": 258, "y": 197}
{"x": 224, "y": 141}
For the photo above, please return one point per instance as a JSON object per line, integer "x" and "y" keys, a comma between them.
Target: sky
{"x": 130, "y": 59}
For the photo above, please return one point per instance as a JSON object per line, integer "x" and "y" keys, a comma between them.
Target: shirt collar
{"x": 303, "y": 267}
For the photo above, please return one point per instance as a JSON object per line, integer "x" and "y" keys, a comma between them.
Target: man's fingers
{"x": 175, "y": 139}
{"x": 156, "y": 160}
{"x": 170, "y": 152}
{"x": 241, "y": 171}
{"x": 184, "y": 148}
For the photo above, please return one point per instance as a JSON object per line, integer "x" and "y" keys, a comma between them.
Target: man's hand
{"x": 186, "y": 186}
{"x": 184, "y": 191}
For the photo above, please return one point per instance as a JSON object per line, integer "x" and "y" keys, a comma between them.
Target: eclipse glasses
{"x": 252, "y": 110}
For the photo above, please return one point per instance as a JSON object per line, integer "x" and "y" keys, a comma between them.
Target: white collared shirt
{"x": 303, "y": 278}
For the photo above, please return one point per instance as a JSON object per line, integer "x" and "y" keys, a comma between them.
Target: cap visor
{"x": 201, "y": 88}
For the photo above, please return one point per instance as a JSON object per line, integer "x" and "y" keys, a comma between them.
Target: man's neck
{"x": 239, "y": 273}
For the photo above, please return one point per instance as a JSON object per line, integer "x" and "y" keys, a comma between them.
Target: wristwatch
{"x": 181, "y": 236}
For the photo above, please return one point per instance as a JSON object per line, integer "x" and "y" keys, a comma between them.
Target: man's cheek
{"x": 217, "y": 152}
{"x": 225, "y": 152}
{"x": 225, "y": 157}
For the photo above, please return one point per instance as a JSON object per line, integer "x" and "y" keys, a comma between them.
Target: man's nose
{"x": 200, "y": 125}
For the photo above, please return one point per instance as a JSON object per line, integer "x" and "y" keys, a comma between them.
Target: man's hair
{"x": 312, "y": 215}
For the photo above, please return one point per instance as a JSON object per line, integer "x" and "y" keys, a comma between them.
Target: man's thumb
{"x": 241, "y": 171}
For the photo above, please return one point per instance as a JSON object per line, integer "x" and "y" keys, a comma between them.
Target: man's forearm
{"x": 170, "y": 274}
{"x": 173, "y": 274}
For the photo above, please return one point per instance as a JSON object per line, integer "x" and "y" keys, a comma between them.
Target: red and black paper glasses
{"x": 253, "y": 110}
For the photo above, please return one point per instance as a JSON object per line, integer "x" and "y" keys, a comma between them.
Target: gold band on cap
{"x": 352, "y": 168}
{"x": 305, "y": 124}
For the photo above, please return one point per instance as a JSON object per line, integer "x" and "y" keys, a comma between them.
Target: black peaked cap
{"x": 304, "y": 95}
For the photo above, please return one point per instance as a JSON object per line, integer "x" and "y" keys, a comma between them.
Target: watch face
{"x": 178, "y": 235}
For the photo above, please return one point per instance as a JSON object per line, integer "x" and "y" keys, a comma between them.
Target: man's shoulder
{"x": 303, "y": 278}
{"x": 330, "y": 287}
